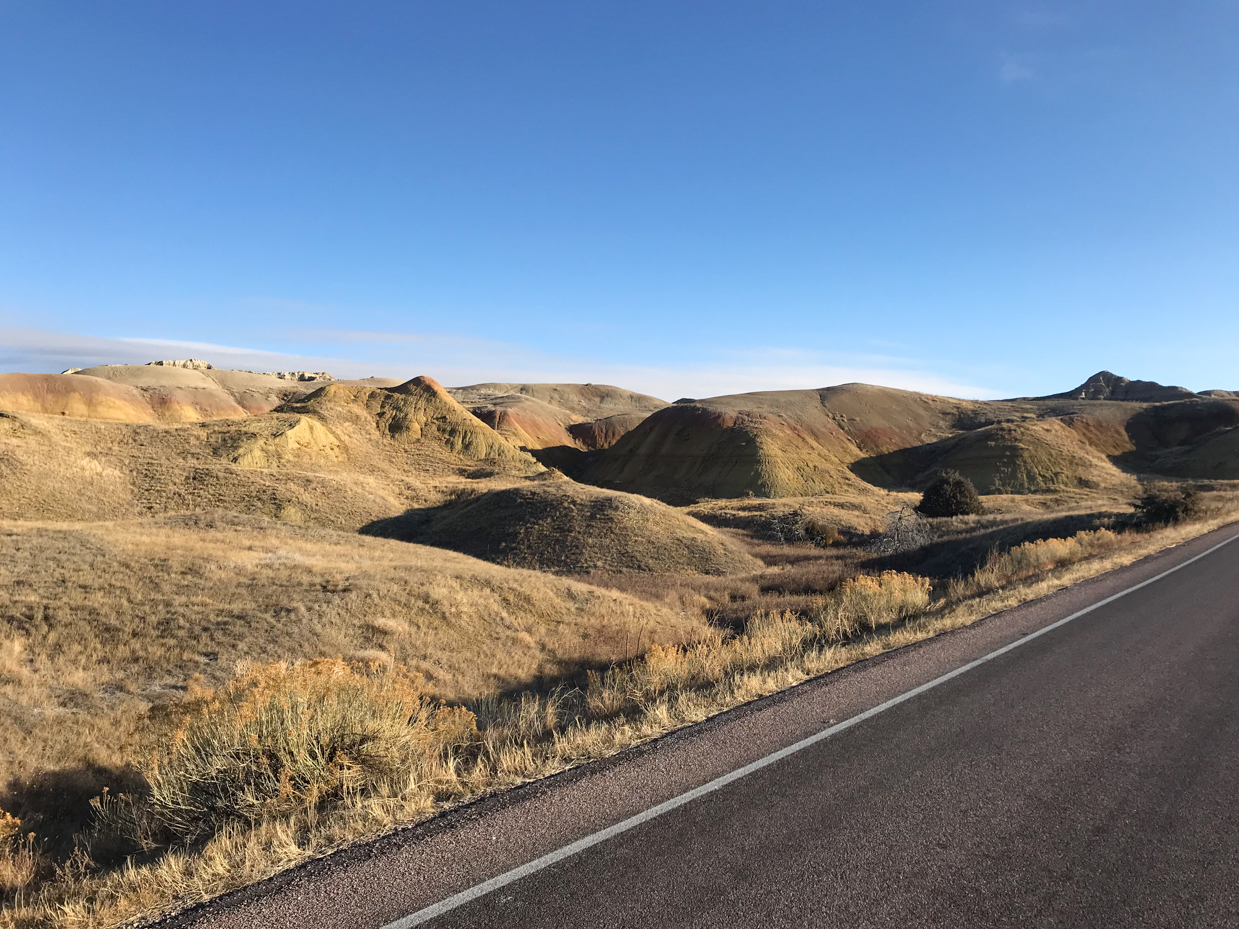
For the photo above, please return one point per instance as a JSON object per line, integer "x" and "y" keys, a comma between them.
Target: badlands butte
{"x": 165, "y": 526}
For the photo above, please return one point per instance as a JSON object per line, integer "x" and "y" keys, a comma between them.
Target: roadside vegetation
{"x": 237, "y": 778}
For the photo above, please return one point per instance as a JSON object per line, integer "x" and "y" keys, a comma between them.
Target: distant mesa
{"x": 1107, "y": 386}
{"x": 195, "y": 364}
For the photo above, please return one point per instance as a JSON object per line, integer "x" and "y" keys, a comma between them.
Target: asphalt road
{"x": 1086, "y": 778}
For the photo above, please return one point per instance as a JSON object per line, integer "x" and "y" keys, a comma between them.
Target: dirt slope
{"x": 568, "y": 528}
{"x": 71, "y": 395}
{"x": 557, "y": 416}
{"x": 584, "y": 402}
{"x": 526, "y": 422}
{"x": 1213, "y": 458}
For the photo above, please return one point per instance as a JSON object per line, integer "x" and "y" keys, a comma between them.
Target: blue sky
{"x": 978, "y": 198}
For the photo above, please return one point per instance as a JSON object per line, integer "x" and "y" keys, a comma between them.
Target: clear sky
{"x": 981, "y": 198}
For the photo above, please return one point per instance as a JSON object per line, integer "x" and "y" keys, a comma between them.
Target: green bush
{"x": 1167, "y": 505}
{"x": 951, "y": 494}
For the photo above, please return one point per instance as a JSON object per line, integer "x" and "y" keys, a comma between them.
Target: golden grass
{"x": 101, "y": 621}
{"x": 530, "y": 735}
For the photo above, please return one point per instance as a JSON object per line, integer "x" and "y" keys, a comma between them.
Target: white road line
{"x": 538, "y": 864}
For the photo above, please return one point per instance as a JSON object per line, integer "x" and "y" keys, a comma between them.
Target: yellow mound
{"x": 73, "y": 395}
{"x": 567, "y": 528}
{"x": 775, "y": 444}
{"x": 417, "y": 410}
{"x": 177, "y": 395}
{"x": 1008, "y": 458}
{"x": 306, "y": 440}
{"x": 346, "y": 457}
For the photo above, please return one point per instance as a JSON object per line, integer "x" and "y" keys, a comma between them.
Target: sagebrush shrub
{"x": 283, "y": 739}
{"x": 950, "y": 494}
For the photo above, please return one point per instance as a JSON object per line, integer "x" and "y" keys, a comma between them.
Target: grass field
{"x": 129, "y": 625}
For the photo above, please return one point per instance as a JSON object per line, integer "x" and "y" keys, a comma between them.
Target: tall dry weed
{"x": 1033, "y": 558}
{"x": 21, "y": 860}
{"x": 863, "y": 604}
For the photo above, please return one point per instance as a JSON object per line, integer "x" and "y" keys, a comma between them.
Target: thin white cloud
{"x": 203, "y": 347}
{"x": 1016, "y": 68}
{"x": 461, "y": 361}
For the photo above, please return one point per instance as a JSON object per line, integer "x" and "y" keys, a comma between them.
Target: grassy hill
{"x": 567, "y": 528}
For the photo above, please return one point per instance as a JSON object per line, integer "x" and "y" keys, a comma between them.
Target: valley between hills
{"x": 551, "y": 572}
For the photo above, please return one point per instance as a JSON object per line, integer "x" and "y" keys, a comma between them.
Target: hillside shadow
{"x": 958, "y": 555}
{"x": 55, "y": 804}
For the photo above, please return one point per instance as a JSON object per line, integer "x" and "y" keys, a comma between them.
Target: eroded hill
{"x": 342, "y": 456}
{"x": 559, "y": 423}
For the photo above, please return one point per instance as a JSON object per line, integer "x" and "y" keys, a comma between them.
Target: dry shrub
{"x": 21, "y": 861}
{"x": 858, "y": 606}
{"x": 1032, "y": 558}
{"x": 865, "y": 603}
{"x": 905, "y": 530}
{"x": 282, "y": 740}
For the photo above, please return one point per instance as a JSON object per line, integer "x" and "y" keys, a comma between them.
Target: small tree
{"x": 1164, "y": 506}
{"x": 951, "y": 494}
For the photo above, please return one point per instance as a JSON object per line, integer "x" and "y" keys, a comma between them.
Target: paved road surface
{"x": 1087, "y": 778}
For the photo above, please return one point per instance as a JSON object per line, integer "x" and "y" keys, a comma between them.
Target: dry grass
{"x": 521, "y": 736}
{"x": 101, "y": 621}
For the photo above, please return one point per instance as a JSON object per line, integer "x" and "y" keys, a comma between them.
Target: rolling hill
{"x": 568, "y": 528}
